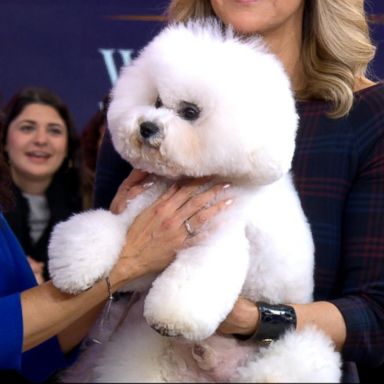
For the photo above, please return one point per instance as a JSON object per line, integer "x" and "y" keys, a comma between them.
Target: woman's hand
{"x": 242, "y": 320}
{"x": 160, "y": 230}
{"x": 132, "y": 186}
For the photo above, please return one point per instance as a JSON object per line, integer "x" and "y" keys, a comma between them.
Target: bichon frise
{"x": 200, "y": 101}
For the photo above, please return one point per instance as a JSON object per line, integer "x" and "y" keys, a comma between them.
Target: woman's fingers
{"x": 132, "y": 186}
{"x": 135, "y": 177}
{"x": 201, "y": 200}
{"x": 180, "y": 192}
{"x": 192, "y": 207}
{"x": 195, "y": 225}
{"x": 199, "y": 226}
{"x": 243, "y": 319}
{"x": 159, "y": 230}
{"x": 191, "y": 203}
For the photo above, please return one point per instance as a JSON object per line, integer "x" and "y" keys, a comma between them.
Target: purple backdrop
{"x": 76, "y": 47}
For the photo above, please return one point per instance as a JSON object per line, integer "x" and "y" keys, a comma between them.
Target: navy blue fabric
{"x": 16, "y": 276}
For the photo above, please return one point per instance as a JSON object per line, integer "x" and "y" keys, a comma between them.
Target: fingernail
{"x": 148, "y": 184}
{"x": 228, "y": 202}
{"x": 225, "y": 186}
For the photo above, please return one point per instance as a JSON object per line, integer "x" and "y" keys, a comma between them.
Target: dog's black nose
{"x": 148, "y": 129}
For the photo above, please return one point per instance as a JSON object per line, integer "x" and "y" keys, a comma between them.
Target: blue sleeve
{"x": 39, "y": 363}
{"x": 11, "y": 332}
{"x": 16, "y": 276}
{"x": 111, "y": 170}
{"x": 36, "y": 364}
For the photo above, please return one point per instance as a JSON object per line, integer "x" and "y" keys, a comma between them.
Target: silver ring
{"x": 189, "y": 228}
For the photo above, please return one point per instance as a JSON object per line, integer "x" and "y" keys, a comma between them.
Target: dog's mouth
{"x": 148, "y": 157}
{"x": 159, "y": 167}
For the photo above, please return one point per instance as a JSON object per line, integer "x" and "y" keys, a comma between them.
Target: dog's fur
{"x": 199, "y": 101}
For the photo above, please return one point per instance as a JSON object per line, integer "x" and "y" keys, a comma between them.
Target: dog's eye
{"x": 189, "y": 111}
{"x": 158, "y": 103}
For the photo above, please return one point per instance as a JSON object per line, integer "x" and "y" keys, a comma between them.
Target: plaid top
{"x": 339, "y": 172}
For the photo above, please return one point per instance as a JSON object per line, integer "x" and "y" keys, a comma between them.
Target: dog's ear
{"x": 267, "y": 167}
{"x": 270, "y": 162}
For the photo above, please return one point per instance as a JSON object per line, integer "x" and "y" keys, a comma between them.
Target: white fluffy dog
{"x": 200, "y": 101}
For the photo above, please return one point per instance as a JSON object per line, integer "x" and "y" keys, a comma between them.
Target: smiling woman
{"x": 36, "y": 145}
{"x": 40, "y": 145}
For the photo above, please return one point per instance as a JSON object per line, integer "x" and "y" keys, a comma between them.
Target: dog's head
{"x": 198, "y": 101}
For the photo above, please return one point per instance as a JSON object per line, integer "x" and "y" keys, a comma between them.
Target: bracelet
{"x": 99, "y": 336}
{"x": 110, "y": 294}
{"x": 274, "y": 320}
{"x": 107, "y": 308}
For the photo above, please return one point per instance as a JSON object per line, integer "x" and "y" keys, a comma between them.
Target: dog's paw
{"x": 83, "y": 249}
{"x": 165, "y": 330}
{"x": 173, "y": 319}
{"x": 191, "y": 329}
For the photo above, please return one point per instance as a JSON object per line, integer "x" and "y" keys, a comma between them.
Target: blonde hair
{"x": 336, "y": 49}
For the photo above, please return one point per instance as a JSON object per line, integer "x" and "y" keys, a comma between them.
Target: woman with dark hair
{"x": 41, "y": 145}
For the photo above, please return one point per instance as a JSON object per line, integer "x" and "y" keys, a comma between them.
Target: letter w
{"x": 110, "y": 63}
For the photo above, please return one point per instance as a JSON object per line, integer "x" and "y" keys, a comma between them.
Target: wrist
{"x": 249, "y": 320}
{"x": 124, "y": 271}
{"x": 273, "y": 321}
{"x": 116, "y": 278}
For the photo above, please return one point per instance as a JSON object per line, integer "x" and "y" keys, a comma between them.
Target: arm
{"x": 47, "y": 312}
{"x": 362, "y": 300}
{"x": 150, "y": 245}
{"x": 354, "y": 320}
{"x": 244, "y": 319}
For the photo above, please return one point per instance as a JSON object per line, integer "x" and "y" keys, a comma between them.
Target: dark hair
{"x": 16, "y": 105}
{"x": 5, "y": 178}
{"x": 90, "y": 139}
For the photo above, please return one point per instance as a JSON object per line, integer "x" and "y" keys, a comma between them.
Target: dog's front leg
{"x": 84, "y": 248}
{"x": 198, "y": 290}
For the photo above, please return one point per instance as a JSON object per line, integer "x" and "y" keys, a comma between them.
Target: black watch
{"x": 274, "y": 320}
